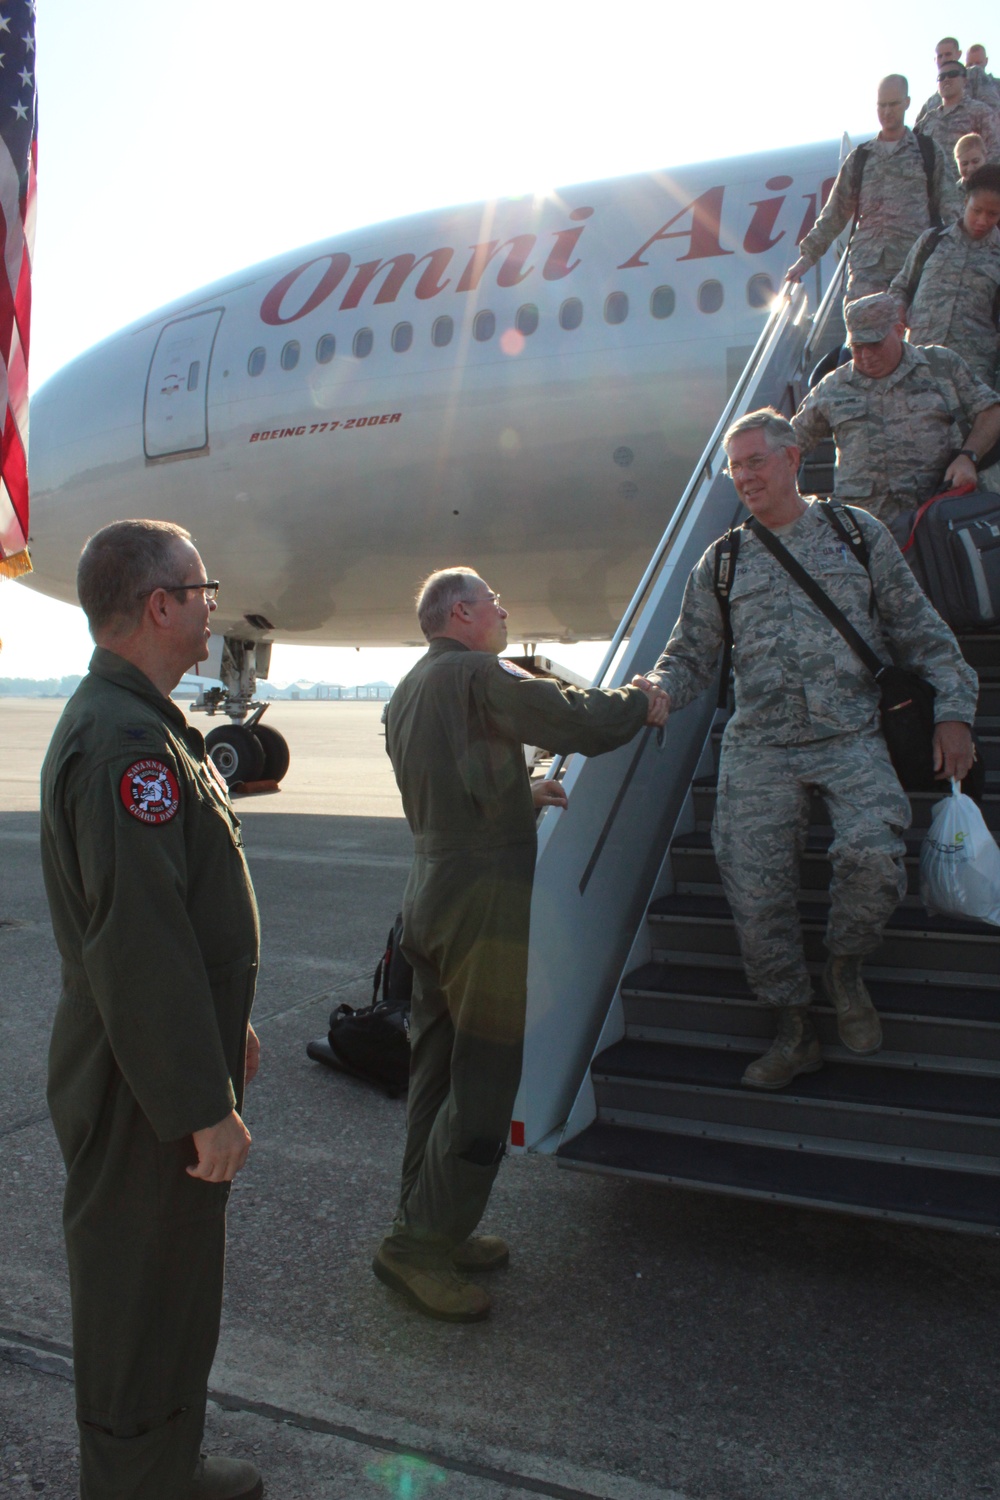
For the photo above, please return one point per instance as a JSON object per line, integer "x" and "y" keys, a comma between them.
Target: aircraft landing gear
{"x": 246, "y": 749}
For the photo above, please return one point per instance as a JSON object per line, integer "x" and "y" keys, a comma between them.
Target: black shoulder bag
{"x": 907, "y": 706}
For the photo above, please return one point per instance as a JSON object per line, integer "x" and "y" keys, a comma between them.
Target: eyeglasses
{"x": 490, "y": 598}
{"x": 210, "y": 588}
{"x": 952, "y": 73}
{"x": 750, "y": 466}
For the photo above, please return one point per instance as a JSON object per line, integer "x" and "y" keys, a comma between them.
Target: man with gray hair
{"x": 455, "y": 732}
{"x": 156, "y": 923}
{"x": 908, "y": 421}
{"x": 806, "y": 719}
{"x": 891, "y": 188}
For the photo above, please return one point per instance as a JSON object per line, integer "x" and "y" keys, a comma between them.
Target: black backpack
{"x": 373, "y": 1043}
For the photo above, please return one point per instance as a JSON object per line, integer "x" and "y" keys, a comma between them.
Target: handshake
{"x": 658, "y": 702}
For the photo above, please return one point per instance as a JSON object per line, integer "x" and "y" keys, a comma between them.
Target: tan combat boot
{"x": 480, "y": 1252}
{"x": 224, "y": 1479}
{"x": 435, "y": 1291}
{"x": 857, "y": 1019}
{"x": 794, "y": 1050}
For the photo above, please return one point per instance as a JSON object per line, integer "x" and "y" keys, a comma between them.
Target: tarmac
{"x": 645, "y": 1343}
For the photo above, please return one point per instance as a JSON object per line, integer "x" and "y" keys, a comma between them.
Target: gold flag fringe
{"x": 15, "y": 566}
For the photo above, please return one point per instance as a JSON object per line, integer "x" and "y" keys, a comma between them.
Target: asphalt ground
{"x": 644, "y": 1342}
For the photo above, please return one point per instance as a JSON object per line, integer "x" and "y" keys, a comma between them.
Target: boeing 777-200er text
{"x": 524, "y": 385}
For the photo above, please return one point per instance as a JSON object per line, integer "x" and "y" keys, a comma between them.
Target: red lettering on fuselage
{"x": 758, "y": 237}
{"x": 270, "y": 308}
{"x": 511, "y": 273}
{"x": 706, "y": 225}
{"x": 429, "y": 285}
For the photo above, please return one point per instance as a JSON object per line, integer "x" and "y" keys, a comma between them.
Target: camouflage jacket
{"x": 893, "y": 207}
{"x": 967, "y": 117}
{"x": 895, "y": 435}
{"x": 952, "y": 303}
{"x": 796, "y": 678}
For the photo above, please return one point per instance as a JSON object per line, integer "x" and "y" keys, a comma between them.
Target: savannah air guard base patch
{"x": 149, "y": 792}
{"x": 514, "y": 670}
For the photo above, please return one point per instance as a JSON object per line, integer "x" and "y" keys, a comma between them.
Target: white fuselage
{"x": 336, "y": 423}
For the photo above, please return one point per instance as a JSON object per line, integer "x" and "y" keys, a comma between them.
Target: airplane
{"x": 523, "y": 384}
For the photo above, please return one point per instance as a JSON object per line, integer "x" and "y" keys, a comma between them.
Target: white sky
{"x": 181, "y": 142}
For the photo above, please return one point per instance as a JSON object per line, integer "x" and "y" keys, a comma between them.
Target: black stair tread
{"x": 817, "y": 840}
{"x": 888, "y": 1187}
{"x": 930, "y": 1090}
{"x": 890, "y": 996}
{"x": 904, "y": 918}
{"x": 710, "y": 782}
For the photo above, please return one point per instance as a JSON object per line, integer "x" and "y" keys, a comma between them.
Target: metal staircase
{"x": 910, "y": 1133}
{"x": 640, "y": 1021}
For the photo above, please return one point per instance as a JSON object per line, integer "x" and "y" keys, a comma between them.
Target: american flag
{"x": 18, "y": 154}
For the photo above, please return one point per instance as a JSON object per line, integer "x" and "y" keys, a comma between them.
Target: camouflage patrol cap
{"x": 870, "y": 319}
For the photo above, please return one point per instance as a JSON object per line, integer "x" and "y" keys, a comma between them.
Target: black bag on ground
{"x": 952, "y": 543}
{"x": 373, "y": 1043}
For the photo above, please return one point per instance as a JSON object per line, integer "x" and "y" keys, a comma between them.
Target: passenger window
{"x": 442, "y": 331}
{"x": 616, "y": 308}
{"x": 571, "y": 313}
{"x": 710, "y": 296}
{"x": 257, "y": 361}
{"x": 326, "y": 348}
{"x": 402, "y": 337}
{"x": 662, "y": 302}
{"x": 760, "y": 290}
{"x": 484, "y": 327}
{"x": 526, "y": 321}
{"x": 194, "y": 370}
{"x": 363, "y": 341}
{"x": 290, "y": 354}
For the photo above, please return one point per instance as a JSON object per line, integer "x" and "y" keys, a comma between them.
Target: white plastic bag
{"x": 960, "y": 862}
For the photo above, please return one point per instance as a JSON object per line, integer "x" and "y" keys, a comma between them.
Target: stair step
{"x": 943, "y": 1197}
{"x": 703, "y": 789}
{"x": 693, "y": 860}
{"x": 882, "y": 1079}
{"x": 945, "y": 1000}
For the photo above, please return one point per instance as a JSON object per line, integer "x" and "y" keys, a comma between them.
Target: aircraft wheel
{"x": 276, "y": 752}
{"x": 237, "y": 753}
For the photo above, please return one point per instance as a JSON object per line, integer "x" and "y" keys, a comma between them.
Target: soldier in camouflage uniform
{"x": 806, "y": 719}
{"x": 156, "y": 923}
{"x": 958, "y": 114}
{"x": 455, "y": 732}
{"x": 949, "y": 296}
{"x": 896, "y": 201}
{"x": 970, "y": 155}
{"x": 981, "y": 84}
{"x": 908, "y": 421}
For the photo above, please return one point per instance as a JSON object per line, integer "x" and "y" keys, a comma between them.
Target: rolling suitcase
{"x": 952, "y": 543}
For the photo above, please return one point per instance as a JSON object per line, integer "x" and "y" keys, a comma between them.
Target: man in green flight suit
{"x": 156, "y": 923}
{"x": 455, "y": 732}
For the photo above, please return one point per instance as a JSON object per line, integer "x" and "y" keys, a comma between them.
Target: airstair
{"x": 640, "y": 1020}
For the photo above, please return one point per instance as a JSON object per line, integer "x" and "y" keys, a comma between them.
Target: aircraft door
{"x": 175, "y": 415}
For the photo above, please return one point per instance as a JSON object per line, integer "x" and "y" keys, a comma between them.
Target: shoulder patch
{"x": 514, "y": 670}
{"x": 149, "y": 792}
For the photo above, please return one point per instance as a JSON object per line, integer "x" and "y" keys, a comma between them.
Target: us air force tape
{"x": 149, "y": 792}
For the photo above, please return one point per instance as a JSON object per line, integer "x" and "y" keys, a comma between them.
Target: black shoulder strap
{"x": 924, "y": 254}
{"x": 808, "y": 584}
{"x": 727, "y": 550}
{"x": 996, "y": 308}
{"x": 927, "y": 157}
{"x": 857, "y": 173}
{"x": 847, "y": 529}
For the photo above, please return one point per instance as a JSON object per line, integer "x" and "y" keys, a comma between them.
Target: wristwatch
{"x": 968, "y": 453}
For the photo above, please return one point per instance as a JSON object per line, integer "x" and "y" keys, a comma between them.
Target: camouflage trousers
{"x": 865, "y": 281}
{"x": 759, "y": 832}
